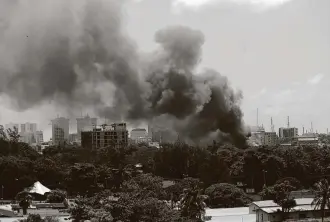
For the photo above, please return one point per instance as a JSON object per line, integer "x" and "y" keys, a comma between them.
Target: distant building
{"x": 285, "y": 133}
{"x": 257, "y": 136}
{"x": 287, "y": 136}
{"x": 105, "y": 136}
{"x": 27, "y": 137}
{"x": 73, "y": 138}
{"x": 161, "y": 134}
{"x": 139, "y": 136}
{"x": 39, "y": 135}
{"x": 307, "y": 139}
{"x": 270, "y": 139}
{"x": 83, "y": 123}
{"x": 28, "y": 128}
{"x": 60, "y": 130}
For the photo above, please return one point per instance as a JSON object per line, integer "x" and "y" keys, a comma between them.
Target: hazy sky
{"x": 276, "y": 51}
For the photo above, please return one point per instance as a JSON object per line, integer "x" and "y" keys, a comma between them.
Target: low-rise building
{"x": 307, "y": 139}
{"x": 269, "y": 211}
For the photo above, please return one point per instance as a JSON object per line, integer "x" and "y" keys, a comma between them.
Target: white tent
{"x": 38, "y": 188}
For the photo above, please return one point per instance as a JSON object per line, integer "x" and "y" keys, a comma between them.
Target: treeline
{"x": 81, "y": 170}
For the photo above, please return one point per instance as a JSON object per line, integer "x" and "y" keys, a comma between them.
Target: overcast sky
{"x": 277, "y": 52}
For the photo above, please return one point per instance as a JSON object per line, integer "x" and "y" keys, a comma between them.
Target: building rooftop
{"x": 307, "y": 207}
{"x": 270, "y": 203}
{"x": 308, "y": 139}
{"x": 139, "y": 129}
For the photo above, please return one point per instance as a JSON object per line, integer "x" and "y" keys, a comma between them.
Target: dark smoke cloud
{"x": 77, "y": 54}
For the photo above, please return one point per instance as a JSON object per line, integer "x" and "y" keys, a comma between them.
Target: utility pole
{"x": 264, "y": 173}
{"x": 288, "y": 122}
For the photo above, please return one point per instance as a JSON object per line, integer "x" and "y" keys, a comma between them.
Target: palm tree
{"x": 192, "y": 204}
{"x": 24, "y": 199}
{"x": 322, "y": 196}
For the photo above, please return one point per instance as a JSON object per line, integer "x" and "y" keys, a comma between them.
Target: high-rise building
{"x": 85, "y": 122}
{"x": 39, "y": 135}
{"x": 288, "y": 133}
{"x": 60, "y": 130}
{"x": 270, "y": 139}
{"x": 115, "y": 135}
{"x": 161, "y": 134}
{"x": 139, "y": 136}
{"x": 28, "y": 127}
{"x": 27, "y": 137}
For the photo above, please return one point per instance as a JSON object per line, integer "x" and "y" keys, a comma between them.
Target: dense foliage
{"x": 226, "y": 195}
{"x": 192, "y": 170}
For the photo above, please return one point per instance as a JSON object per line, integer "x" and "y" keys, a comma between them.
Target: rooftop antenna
{"x": 303, "y": 130}
{"x": 271, "y": 124}
{"x": 288, "y": 122}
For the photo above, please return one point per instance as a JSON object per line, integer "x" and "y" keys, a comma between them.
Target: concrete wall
{"x": 253, "y": 208}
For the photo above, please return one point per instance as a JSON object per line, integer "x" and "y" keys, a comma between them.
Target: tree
{"x": 82, "y": 178}
{"x": 24, "y": 199}
{"x": 289, "y": 183}
{"x": 3, "y": 134}
{"x": 226, "y": 195}
{"x": 282, "y": 197}
{"x": 13, "y": 135}
{"x": 322, "y": 196}
{"x": 56, "y": 196}
{"x": 192, "y": 204}
{"x": 174, "y": 192}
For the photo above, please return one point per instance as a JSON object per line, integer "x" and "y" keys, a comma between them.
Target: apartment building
{"x": 115, "y": 135}
{"x": 60, "y": 130}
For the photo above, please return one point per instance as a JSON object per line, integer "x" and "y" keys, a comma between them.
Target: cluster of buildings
{"x": 28, "y": 132}
{"x": 92, "y": 135}
{"x": 287, "y": 136}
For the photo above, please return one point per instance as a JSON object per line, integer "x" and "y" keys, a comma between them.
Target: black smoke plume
{"x": 76, "y": 53}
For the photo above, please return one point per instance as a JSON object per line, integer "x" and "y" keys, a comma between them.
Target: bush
{"x": 56, "y": 196}
{"x": 226, "y": 195}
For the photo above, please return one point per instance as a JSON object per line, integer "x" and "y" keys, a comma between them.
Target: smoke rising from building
{"x": 76, "y": 53}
